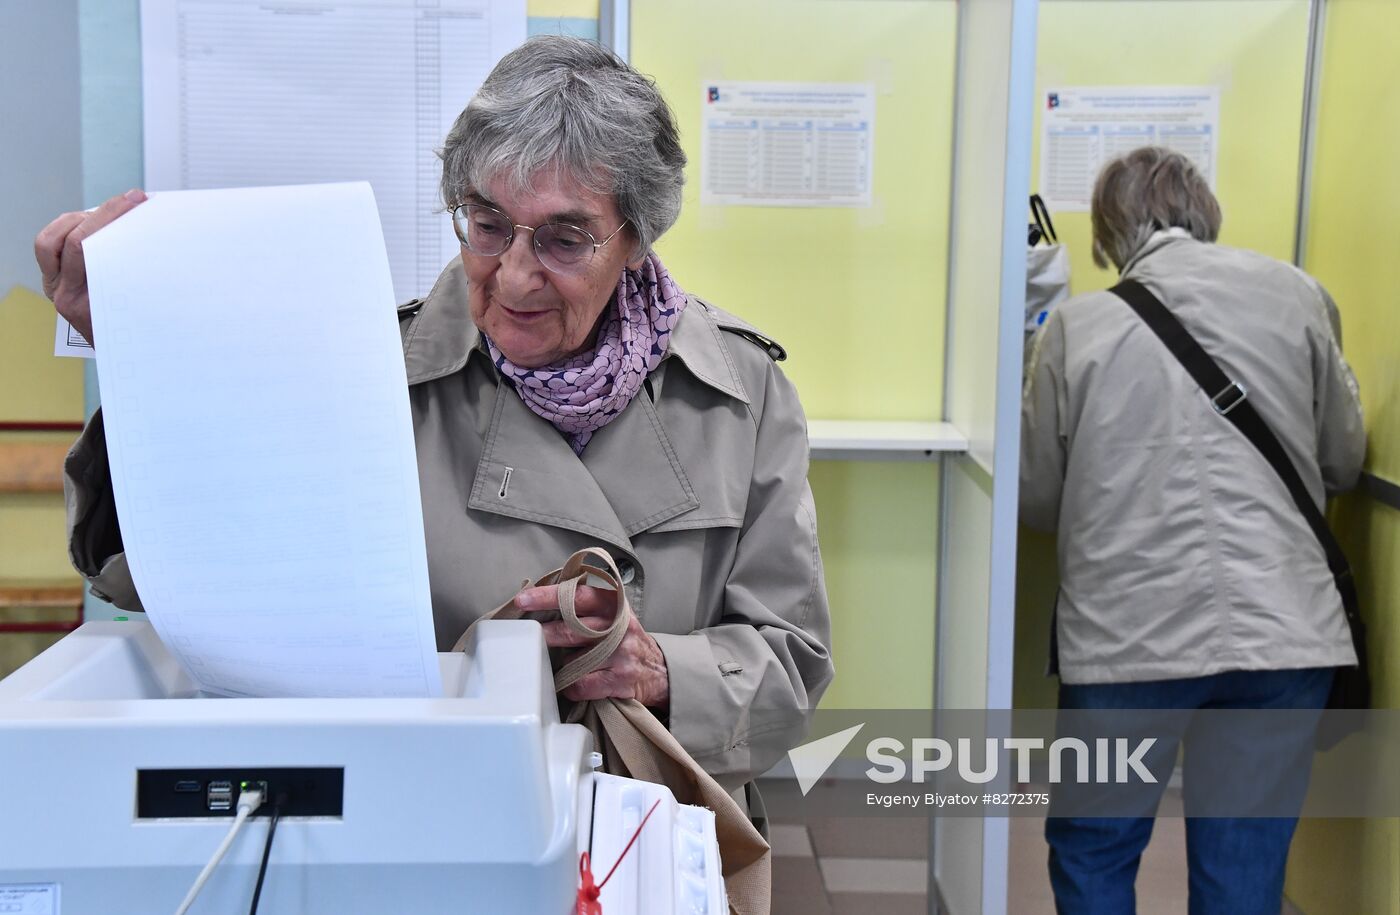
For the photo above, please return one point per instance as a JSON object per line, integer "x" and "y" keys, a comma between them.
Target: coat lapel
{"x": 528, "y": 471}
{"x": 630, "y": 478}
{"x": 636, "y": 467}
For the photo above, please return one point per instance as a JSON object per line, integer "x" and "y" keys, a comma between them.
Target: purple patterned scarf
{"x": 583, "y": 393}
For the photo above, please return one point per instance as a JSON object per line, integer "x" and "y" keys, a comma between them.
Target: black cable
{"x": 267, "y": 851}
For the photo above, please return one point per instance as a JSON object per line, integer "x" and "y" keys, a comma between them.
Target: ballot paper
{"x": 256, "y": 412}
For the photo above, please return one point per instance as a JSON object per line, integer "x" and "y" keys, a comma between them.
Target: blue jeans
{"x": 1236, "y": 865}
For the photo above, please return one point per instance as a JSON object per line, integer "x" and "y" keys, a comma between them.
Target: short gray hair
{"x": 1146, "y": 191}
{"x": 569, "y": 104}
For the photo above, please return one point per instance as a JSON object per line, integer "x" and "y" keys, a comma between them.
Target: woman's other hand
{"x": 59, "y": 250}
{"x": 636, "y": 670}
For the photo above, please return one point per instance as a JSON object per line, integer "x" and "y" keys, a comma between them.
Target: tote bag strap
{"x": 574, "y": 572}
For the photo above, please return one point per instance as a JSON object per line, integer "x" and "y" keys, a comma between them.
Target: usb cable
{"x": 248, "y": 802}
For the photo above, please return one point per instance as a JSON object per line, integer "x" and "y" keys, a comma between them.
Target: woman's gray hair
{"x": 1146, "y": 191}
{"x": 571, "y": 105}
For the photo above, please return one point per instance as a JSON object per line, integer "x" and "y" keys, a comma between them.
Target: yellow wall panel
{"x": 879, "y": 536}
{"x": 564, "y": 9}
{"x": 1341, "y": 867}
{"x": 1254, "y": 50}
{"x": 1346, "y": 866}
{"x": 33, "y": 541}
{"x": 1354, "y": 228}
{"x": 856, "y": 295}
{"x": 34, "y": 385}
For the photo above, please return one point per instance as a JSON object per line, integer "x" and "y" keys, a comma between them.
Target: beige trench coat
{"x": 1181, "y": 553}
{"x": 698, "y": 489}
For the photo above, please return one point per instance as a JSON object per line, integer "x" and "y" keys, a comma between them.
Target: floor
{"x": 843, "y": 865}
{"x": 847, "y": 866}
{"x": 879, "y": 865}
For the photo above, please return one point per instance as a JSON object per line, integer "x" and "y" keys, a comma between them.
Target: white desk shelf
{"x": 859, "y": 440}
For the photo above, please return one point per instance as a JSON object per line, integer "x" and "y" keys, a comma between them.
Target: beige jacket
{"x": 698, "y": 489}
{"x": 1180, "y": 551}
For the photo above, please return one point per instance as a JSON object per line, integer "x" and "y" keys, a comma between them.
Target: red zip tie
{"x": 588, "y": 893}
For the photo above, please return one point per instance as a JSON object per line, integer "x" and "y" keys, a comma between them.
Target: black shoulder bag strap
{"x": 1041, "y": 214}
{"x": 1229, "y": 398}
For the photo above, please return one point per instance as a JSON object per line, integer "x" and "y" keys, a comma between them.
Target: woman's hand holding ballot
{"x": 59, "y": 251}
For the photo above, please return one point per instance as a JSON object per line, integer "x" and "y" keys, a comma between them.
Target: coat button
{"x": 628, "y": 569}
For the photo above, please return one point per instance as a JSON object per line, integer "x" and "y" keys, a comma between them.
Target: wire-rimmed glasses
{"x": 562, "y": 248}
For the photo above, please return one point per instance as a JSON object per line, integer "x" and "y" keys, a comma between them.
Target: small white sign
{"x": 68, "y": 342}
{"x": 1083, "y": 128}
{"x": 29, "y": 899}
{"x": 787, "y": 144}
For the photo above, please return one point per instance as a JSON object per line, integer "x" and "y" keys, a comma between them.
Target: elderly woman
{"x": 567, "y": 393}
{"x": 1188, "y": 577}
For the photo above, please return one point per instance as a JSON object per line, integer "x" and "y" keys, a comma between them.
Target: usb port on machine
{"x": 220, "y": 796}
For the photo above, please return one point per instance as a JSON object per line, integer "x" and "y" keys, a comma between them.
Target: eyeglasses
{"x": 561, "y": 248}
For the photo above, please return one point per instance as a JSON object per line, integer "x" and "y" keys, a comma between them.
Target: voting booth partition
{"x": 1348, "y": 241}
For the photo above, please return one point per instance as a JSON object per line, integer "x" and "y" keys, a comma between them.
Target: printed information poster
{"x": 256, "y": 94}
{"x": 787, "y": 144}
{"x": 1082, "y": 128}
{"x": 247, "y": 94}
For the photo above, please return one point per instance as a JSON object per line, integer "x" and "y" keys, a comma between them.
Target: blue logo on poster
{"x": 714, "y": 94}
{"x": 1054, "y": 100}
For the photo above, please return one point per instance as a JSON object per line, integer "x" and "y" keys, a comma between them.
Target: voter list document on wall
{"x": 1082, "y": 128}
{"x": 261, "y": 447}
{"x": 238, "y": 93}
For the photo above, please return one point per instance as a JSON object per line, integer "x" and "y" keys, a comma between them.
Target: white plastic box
{"x": 478, "y": 802}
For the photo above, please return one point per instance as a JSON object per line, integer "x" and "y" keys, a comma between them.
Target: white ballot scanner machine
{"x": 118, "y": 782}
